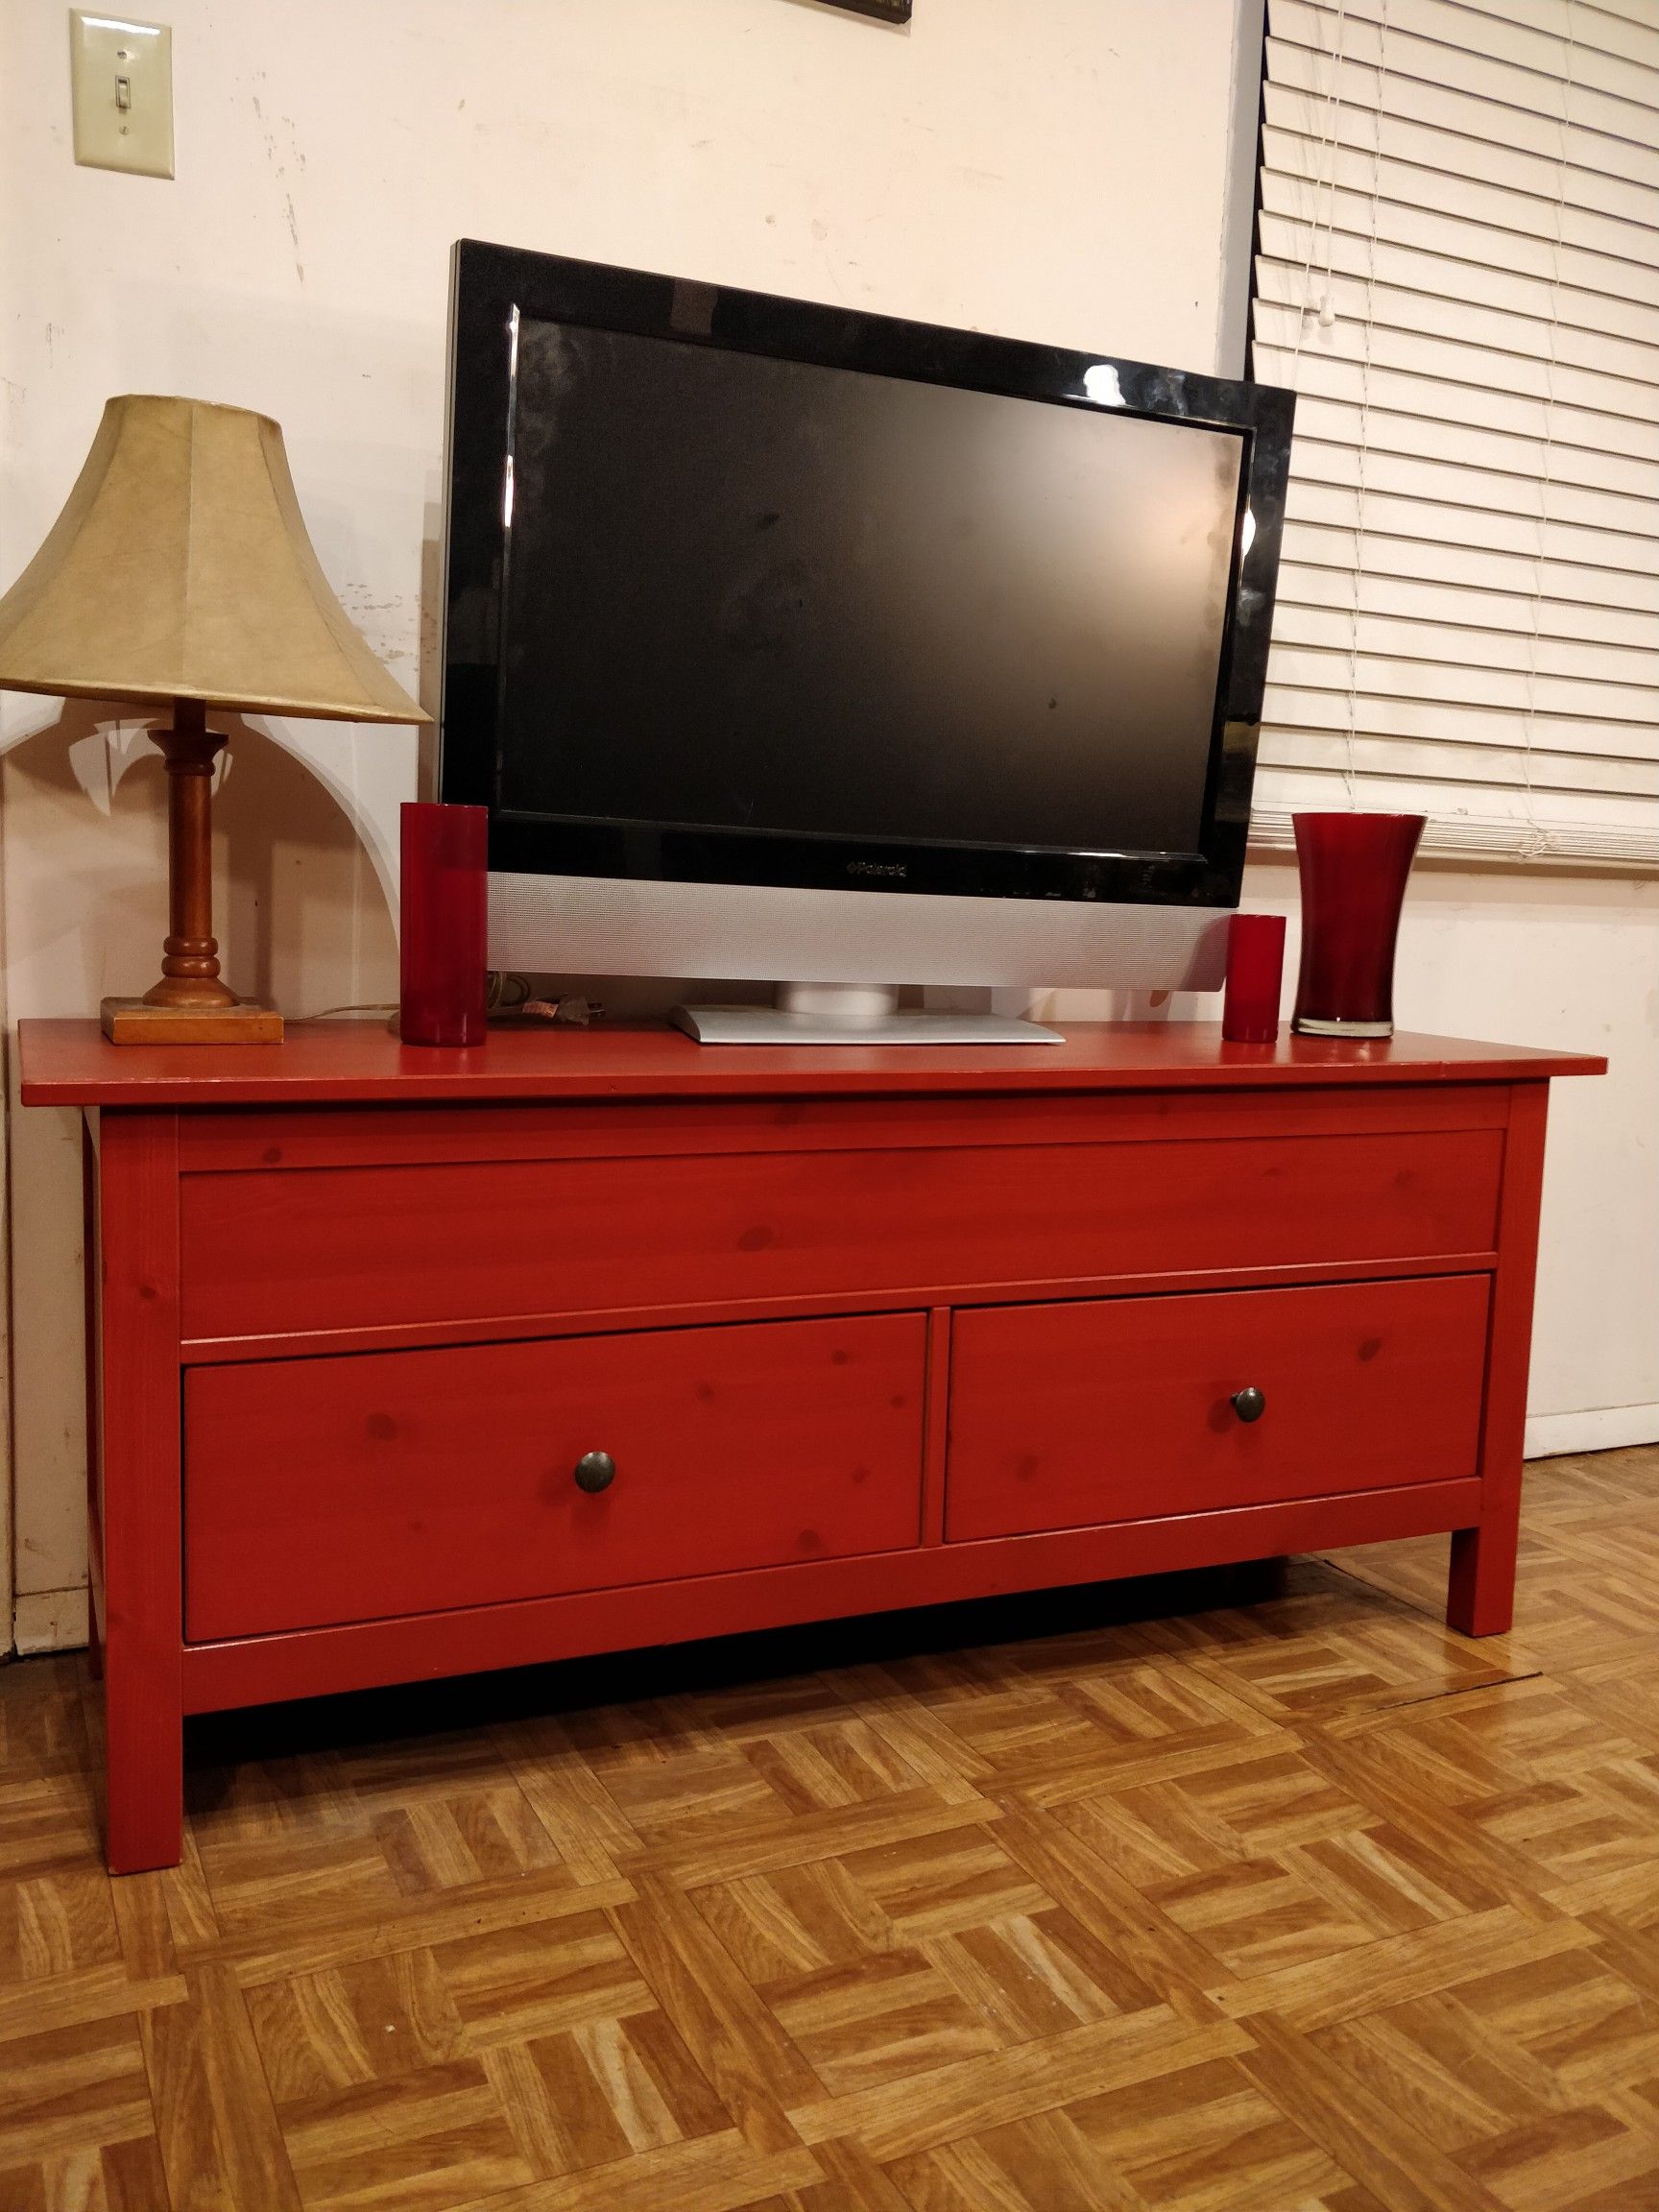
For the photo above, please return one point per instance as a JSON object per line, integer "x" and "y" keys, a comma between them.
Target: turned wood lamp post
{"x": 179, "y": 574}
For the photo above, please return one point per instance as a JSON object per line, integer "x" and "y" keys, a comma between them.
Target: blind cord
{"x": 1351, "y": 765}
{"x": 1324, "y": 182}
{"x": 1537, "y": 839}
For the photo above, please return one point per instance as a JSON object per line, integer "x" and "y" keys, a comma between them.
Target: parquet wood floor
{"x": 1146, "y": 1899}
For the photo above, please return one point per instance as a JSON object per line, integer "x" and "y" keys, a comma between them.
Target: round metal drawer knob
{"x": 595, "y": 1470}
{"x": 1249, "y": 1404}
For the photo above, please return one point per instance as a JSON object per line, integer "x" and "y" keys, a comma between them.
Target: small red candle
{"x": 442, "y": 906}
{"x": 1255, "y": 974}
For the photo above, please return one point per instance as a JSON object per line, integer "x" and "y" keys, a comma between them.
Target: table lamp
{"x": 179, "y": 574}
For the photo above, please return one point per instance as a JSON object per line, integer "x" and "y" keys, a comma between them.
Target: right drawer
{"x": 1064, "y": 1416}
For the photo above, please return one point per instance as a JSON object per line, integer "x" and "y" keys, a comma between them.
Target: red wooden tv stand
{"x": 412, "y": 1363}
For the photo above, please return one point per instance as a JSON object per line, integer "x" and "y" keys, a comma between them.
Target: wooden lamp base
{"x": 189, "y": 1005}
{"x": 136, "y": 1022}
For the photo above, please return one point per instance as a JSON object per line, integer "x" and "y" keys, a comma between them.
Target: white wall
{"x": 1052, "y": 169}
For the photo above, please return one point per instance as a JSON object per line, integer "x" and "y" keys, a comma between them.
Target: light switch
{"x": 122, "y": 76}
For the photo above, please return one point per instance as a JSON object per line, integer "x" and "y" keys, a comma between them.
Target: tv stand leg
{"x": 139, "y": 1532}
{"x": 845, "y": 1005}
{"x": 1481, "y": 1592}
{"x": 144, "y": 1764}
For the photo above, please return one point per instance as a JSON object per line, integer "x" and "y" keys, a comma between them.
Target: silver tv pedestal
{"x": 849, "y": 1014}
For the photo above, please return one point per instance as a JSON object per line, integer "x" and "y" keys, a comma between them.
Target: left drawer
{"x": 395, "y": 1483}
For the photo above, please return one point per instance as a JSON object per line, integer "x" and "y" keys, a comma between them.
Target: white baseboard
{"x": 50, "y": 1620}
{"x": 1599, "y": 1428}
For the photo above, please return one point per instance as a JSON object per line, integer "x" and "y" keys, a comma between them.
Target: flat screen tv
{"x": 788, "y": 641}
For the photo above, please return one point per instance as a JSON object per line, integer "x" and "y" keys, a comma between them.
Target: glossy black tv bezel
{"x": 489, "y": 282}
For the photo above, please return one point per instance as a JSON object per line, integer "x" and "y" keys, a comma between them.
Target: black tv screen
{"x": 747, "y": 590}
{"x": 757, "y": 594}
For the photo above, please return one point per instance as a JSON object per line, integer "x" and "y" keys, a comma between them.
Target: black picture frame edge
{"x": 896, "y": 14}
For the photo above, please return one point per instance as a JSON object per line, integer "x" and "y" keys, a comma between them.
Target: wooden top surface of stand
{"x": 347, "y": 1063}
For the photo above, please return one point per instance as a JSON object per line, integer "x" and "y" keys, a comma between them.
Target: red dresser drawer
{"x": 1120, "y": 1410}
{"x": 351, "y": 1489}
{"x": 297, "y": 1248}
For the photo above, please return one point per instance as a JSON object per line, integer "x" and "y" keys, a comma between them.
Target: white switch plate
{"x": 121, "y": 73}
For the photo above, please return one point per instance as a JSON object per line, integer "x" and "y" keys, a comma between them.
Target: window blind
{"x": 1459, "y": 272}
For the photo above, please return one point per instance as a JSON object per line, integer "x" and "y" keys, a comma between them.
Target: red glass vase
{"x": 1354, "y": 869}
{"x": 1255, "y": 975}
{"x": 443, "y": 979}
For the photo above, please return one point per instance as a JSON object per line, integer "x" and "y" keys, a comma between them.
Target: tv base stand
{"x": 850, "y": 1014}
{"x": 407, "y": 1363}
{"x": 774, "y": 1025}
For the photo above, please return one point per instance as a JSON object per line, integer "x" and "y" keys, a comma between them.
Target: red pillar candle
{"x": 443, "y": 899}
{"x": 1354, "y": 869}
{"x": 1255, "y": 973}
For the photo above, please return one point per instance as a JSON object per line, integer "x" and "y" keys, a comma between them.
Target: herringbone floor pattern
{"x": 1304, "y": 1904}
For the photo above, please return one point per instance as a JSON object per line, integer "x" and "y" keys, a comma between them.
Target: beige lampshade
{"x": 180, "y": 569}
